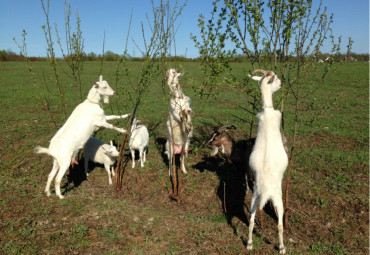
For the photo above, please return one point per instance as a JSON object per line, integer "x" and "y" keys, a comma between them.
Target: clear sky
{"x": 351, "y": 18}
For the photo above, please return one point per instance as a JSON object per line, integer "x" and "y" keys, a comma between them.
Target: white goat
{"x": 97, "y": 151}
{"x": 268, "y": 159}
{"x": 72, "y": 136}
{"x": 139, "y": 140}
{"x": 179, "y": 125}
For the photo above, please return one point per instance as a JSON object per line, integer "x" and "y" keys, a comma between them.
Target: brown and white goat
{"x": 238, "y": 152}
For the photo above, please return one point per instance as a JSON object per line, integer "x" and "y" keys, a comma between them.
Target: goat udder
{"x": 177, "y": 149}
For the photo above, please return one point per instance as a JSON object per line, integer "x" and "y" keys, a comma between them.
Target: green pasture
{"x": 329, "y": 186}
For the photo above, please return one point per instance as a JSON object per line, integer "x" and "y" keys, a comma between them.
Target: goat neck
{"x": 266, "y": 94}
{"x": 228, "y": 148}
{"x": 93, "y": 96}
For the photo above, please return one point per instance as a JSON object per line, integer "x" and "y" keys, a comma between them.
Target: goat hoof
{"x": 47, "y": 193}
{"x": 61, "y": 197}
{"x": 282, "y": 250}
{"x": 249, "y": 247}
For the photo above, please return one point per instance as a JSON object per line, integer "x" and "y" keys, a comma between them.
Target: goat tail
{"x": 40, "y": 149}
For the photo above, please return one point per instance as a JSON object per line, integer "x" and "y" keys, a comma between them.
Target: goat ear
{"x": 256, "y": 78}
{"x": 271, "y": 79}
{"x": 96, "y": 85}
{"x": 100, "y": 77}
{"x": 111, "y": 143}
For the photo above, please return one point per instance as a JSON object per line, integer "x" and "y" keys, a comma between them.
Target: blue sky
{"x": 351, "y": 18}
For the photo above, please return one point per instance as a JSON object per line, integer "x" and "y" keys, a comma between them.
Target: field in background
{"x": 329, "y": 194}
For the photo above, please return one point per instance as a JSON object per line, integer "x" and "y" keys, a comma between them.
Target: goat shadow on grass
{"x": 160, "y": 143}
{"x": 76, "y": 175}
{"x": 231, "y": 189}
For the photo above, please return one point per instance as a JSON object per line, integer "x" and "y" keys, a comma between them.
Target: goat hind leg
{"x": 141, "y": 152}
{"x": 51, "y": 176}
{"x": 254, "y": 204}
{"x": 169, "y": 152}
{"x": 183, "y": 163}
{"x": 62, "y": 170}
{"x": 144, "y": 153}
{"x": 278, "y": 203}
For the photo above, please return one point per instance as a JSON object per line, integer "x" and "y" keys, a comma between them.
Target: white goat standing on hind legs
{"x": 179, "y": 125}
{"x": 72, "y": 136}
{"x": 269, "y": 159}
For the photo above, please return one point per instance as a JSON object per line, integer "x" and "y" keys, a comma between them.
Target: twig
{"x": 120, "y": 166}
{"x": 225, "y": 209}
{"x": 285, "y": 220}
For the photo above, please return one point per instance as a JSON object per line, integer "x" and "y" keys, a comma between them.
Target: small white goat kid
{"x": 72, "y": 136}
{"x": 97, "y": 151}
{"x": 179, "y": 125}
{"x": 268, "y": 159}
{"x": 139, "y": 140}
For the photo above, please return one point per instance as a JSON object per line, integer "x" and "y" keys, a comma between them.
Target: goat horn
{"x": 226, "y": 127}
{"x": 265, "y": 73}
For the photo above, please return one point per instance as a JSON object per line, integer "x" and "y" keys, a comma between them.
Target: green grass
{"x": 328, "y": 193}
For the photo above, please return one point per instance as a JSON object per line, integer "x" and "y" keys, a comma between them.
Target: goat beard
{"x": 106, "y": 99}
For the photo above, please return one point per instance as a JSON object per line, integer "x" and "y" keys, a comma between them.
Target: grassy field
{"x": 329, "y": 195}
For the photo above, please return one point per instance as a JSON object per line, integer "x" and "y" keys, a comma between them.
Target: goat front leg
{"x": 110, "y": 126}
{"x": 171, "y": 158}
{"x": 116, "y": 117}
{"x": 86, "y": 167}
{"x": 112, "y": 171}
{"x": 133, "y": 158}
{"x": 107, "y": 168}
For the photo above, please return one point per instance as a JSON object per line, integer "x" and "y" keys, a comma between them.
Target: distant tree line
{"x": 9, "y": 55}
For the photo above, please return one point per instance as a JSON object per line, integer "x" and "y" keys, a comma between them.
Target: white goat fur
{"x": 97, "y": 151}
{"x": 268, "y": 160}
{"x": 72, "y": 136}
{"x": 179, "y": 125}
{"x": 139, "y": 140}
